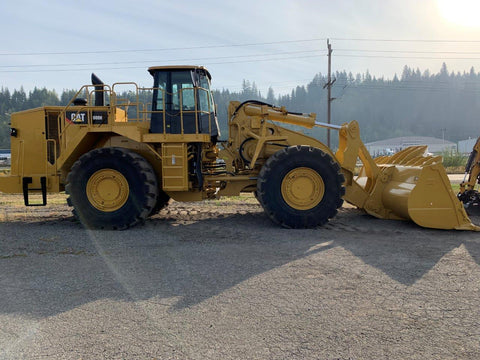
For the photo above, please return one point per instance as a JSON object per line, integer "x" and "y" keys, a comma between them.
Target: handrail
{"x": 63, "y": 114}
{"x": 140, "y": 111}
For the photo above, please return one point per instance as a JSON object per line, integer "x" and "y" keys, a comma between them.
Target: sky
{"x": 276, "y": 43}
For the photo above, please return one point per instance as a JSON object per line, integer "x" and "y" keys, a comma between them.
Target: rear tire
{"x": 111, "y": 188}
{"x": 300, "y": 187}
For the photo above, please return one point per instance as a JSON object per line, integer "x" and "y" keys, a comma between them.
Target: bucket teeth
{"x": 411, "y": 156}
{"x": 404, "y": 156}
{"x": 381, "y": 159}
{"x": 430, "y": 160}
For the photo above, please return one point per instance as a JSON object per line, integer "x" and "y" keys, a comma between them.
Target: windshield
{"x": 180, "y": 90}
{"x": 175, "y": 91}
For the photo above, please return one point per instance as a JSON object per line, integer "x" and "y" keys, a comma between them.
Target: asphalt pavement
{"x": 226, "y": 283}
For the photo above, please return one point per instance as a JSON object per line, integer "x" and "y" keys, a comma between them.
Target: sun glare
{"x": 461, "y": 12}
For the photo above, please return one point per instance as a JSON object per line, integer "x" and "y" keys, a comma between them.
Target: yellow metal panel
{"x": 174, "y": 167}
{"x": 29, "y": 147}
{"x": 255, "y": 123}
{"x": 120, "y": 115}
{"x": 186, "y": 195}
{"x": 11, "y": 184}
{"x": 433, "y": 204}
{"x": 29, "y": 153}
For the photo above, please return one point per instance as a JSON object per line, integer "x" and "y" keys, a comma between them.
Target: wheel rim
{"x": 303, "y": 188}
{"x": 107, "y": 190}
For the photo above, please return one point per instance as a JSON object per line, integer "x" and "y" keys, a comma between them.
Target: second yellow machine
{"x": 120, "y": 161}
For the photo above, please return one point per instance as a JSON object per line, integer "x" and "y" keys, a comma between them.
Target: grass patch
{"x": 454, "y": 159}
{"x": 455, "y": 169}
{"x": 16, "y": 200}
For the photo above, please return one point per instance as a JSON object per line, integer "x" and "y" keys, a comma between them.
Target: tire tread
{"x": 302, "y": 219}
{"x": 141, "y": 166}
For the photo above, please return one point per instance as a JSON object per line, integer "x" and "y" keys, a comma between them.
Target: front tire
{"x": 162, "y": 202}
{"x": 111, "y": 188}
{"x": 300, "y": 187}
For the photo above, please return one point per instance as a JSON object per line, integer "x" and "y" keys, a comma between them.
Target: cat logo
{"x": 77, "y": 118}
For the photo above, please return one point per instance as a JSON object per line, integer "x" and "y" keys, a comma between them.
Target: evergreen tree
{"x": 415, "y": 104}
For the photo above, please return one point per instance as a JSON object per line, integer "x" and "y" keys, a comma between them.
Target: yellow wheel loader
{"x": 120, "y": 161}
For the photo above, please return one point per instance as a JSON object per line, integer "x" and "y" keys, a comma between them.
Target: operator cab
{"x": 182, "y": 101}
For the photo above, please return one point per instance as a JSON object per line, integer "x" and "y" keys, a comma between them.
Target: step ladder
{"x": 26, "y": 181}
{"x": 174, "y": 167}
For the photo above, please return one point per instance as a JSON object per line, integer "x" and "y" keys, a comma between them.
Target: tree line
{"x": 413, "y": 104}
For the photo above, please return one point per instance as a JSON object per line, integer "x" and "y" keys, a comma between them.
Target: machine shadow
{"x": 405, "y": 257}
{"x": 64, "y": 266}
{"x": 181, "y": 265}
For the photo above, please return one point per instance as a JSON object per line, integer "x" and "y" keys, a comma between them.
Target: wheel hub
{"x": 303, "y": 188}
{"x": 107, "y": 190}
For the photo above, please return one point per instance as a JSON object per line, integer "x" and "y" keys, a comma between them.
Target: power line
{"x": 233, "y": 45}
{"x": 411, "y": 51}
{"x": 407, "y": 40}
{"x": 240, "y": 56}
{"x": 142, "y": 67}
{"x": 409, "y": 57}
{"x": 159, "y": 49}
{"x": 156, "y": 61}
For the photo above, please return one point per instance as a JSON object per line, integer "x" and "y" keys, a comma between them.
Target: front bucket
{"x": 433, "y": 204}
{"x": 411, "y": 186}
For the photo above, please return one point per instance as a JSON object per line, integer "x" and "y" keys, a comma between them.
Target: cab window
{"x": 175, "y": 91}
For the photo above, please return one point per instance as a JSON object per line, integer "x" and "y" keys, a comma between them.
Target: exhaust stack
{"x": 99, "y": 90}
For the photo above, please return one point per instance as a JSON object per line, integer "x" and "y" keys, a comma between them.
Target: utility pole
{"x": 328, "y": 85}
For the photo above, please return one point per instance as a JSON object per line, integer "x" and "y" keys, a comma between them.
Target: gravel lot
{"x": 218, "y": 280}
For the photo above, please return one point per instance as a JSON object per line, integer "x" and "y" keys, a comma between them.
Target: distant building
{"x": 466, "y": 146}
{"x": 389, "y": 146}
{"x": 5, "y": 157}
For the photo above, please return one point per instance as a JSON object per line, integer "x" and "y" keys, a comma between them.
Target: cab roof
{"x": 152, "y": 69}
